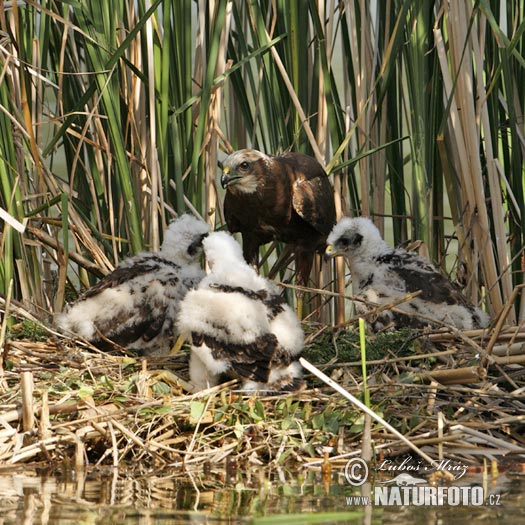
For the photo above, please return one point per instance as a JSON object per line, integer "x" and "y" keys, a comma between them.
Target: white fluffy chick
{"x": 380, "y": 275}
{"x": 239, "y": 326}
{"x": 136, "y": 305}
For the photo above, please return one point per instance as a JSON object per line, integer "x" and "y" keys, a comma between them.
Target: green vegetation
{"x": 114, "y": 114}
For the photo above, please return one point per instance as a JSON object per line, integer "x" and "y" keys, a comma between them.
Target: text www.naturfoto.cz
{"x": 427, "y": 496}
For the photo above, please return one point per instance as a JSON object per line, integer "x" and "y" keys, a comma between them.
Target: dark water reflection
{"x": 171, "y": 498}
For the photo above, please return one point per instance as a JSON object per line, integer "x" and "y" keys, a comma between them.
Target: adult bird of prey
{"x": 286, "y": 198}
{"x": 135, "y": 306}
{"x": 239, "y": 325}
{"x": 382, "y": 275}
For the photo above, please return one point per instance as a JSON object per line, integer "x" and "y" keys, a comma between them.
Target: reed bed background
{"x": 113, "y": 115}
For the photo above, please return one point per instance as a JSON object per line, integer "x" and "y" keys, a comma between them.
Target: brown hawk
{"x": 286, "y": 198}
{"x": 380, "y": 275}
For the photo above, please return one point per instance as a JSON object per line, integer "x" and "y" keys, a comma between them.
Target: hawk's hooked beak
{"x": 226, "y": 179}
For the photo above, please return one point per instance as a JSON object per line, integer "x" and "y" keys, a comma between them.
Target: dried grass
{"x": 64, "y": 399}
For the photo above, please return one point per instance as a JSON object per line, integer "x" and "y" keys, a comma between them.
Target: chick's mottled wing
{"x": 417, "y": 274}
{"x": 134, "y": 304}
{"x": 252, "y": 361}
{"x": 312, "y": 193}
{"x": 141, "y": 312}
{"x": 130, "y": 270}
{"x": 145, "y": 323}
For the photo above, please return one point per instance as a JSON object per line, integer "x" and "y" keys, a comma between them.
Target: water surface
{"x": 110, "y": 496}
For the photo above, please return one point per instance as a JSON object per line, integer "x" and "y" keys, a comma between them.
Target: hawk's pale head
{"x": 242, "y": 169}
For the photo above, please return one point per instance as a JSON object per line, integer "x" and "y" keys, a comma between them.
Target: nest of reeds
{"x": 66, "y": 403}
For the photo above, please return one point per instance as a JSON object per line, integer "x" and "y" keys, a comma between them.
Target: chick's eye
{"x": 244, "y": 165}
{"x": 344, "y": 242}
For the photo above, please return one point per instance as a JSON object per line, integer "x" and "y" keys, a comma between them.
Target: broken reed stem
{"x": 80, "y": 452}
{"x": 314, "y": 370}
{"x": 28, "y": 415}
{"x": 508, "y": 350}
{"x": 459, "y": 376}
{"x": 441, "y": 425}
{"x": 16, "y": 415}
{"x": 509, "y": 360}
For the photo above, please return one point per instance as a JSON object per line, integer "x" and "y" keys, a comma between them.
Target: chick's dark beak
{"x": 196, "y": 244}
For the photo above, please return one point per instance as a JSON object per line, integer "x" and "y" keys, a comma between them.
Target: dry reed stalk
{"x": 47, "y": 240}
{"x": 507, "y": 336}
{"x": 44, "y": 425}
{"x": 495, "y": 194}
{"x": 508, "y": 350}
{"x": 297, "y": 103}
{"x": 475, "y": 437}
{"x": 458, "y": 376}
{"x": 214, "y": 119}
{"x": 80, "y": 453}
{"x": 392, "y": 360}
{"x": 509, "y": 419}
{"x": 510, "y": 360}
{"x": 440, "y": 427}
{"x": 467, "y": 138}
{"x": 17, "y": 415}
{"x": 445, "y": 439}
{"x": 27, "y": 387}
{"x": 152, "y": 156}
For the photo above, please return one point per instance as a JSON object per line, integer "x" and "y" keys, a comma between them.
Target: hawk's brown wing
{"x": 312, "y": 193}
